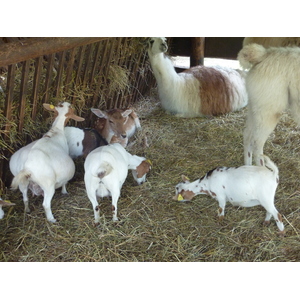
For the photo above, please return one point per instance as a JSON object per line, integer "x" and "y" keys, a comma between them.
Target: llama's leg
{"x": 248, "y": 145}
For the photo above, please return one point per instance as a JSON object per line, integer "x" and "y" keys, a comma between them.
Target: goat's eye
{"x": 111, "y": 122}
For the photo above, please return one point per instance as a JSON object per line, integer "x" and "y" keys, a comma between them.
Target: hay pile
{"x": 152, "y": 226}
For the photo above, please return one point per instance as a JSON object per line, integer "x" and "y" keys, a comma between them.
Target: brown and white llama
{"x": 197, "y": 91}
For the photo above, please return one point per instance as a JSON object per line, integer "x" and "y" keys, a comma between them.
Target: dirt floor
{"x": 153, "y": 226}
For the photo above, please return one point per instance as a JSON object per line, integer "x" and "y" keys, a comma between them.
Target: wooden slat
{"x": 69, "y": 70}
{"x": 36, "y": 84}
{"x": 58, "y": 88}
{"x": 23, "y": 93}
{"x": 18, "y": 51}
{"x": 48, "y": 80}
{"x": 9, "y": 95}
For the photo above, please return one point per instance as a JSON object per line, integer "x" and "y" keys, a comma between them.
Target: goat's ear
{"x": 77, "y": 118}
{"x": 185, "y": 179}
{"x": 49, "y": 107}
{"x": 126, "y": 113}
{"x": 99, "y": 113}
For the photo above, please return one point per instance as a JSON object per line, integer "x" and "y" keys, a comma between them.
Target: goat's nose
{"x": 124, "y": 135}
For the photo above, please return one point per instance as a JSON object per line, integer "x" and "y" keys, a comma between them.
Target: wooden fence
{"x": 88, "y": 72}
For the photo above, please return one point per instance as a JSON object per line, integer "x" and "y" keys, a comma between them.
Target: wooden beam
{"x": 12, "y": 53}
{"x": 197, "y": 51}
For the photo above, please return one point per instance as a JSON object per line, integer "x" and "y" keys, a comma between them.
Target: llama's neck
{"x": 163, "y": 69}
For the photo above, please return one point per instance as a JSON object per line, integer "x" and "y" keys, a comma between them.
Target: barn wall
{"x": 87, "y": 72}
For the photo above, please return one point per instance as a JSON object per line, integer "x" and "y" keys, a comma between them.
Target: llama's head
{"x": 157, "y": 45}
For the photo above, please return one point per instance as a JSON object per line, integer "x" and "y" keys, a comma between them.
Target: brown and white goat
{"x": 116, "y": 125}
{"x": 245, "y": 186}
{"x": 197, "y": 91}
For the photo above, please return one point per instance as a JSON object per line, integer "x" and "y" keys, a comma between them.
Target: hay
{"x": 152, "y": 226}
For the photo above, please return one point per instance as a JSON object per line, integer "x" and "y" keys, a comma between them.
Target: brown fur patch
{"x": 143, "y": 169}
{"x": 187, "y": 195}
{"x": 215, "y": 90}
{"x": 92, "y": 140}
{"x": 113, "y": 208}
{"x": 279, "y": 217}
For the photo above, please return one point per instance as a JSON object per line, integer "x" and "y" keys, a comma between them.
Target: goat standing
{"x": 245, "y": 186}
{"x": 45, "y": 164}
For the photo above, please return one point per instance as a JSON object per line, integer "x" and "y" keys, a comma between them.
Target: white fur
{"x": 273, "y": 87}
{"x": 180, "y": 93}
{"x": 272, "y": 41}
{"x": 45, "y": 165}
{"x": 245, "y": 186}
{"x": 106, "y": 169}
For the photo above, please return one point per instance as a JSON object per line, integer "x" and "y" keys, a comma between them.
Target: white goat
{"x": 82, "y": 141}
{"x": 2, "y": 204}
{"x": 45, "y": 165}
{"x": 272, "y": 41}
{"x": 273, "y": 87}
{"x": 106, "y": 169}
{"x": 197, "y": 91}
{"x": 245, "y": 186}
{"x": 117, "y": 125}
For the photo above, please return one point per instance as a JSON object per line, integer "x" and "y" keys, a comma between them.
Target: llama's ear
{"x": 99, "y": 113}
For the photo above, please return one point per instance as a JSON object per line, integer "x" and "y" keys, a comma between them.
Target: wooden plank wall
{"x": 88, "y": 72}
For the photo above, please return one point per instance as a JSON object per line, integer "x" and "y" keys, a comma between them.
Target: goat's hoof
{"x": 266, "y": 223}
{"x": 52, "y": 220}
{"x": 96, "y": 223}
{"x": 220, "y": 219}
{"x": 281, "y": 233}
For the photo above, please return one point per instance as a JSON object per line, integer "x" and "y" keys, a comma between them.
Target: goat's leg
{"x": 115, "y": 197}
{"x": 48, "y": 195}
{"x": 272, "y": 211}
{"x": 248, "y": 146}
{"x": 24, "y": 191}
{"x": 221, "y": 210}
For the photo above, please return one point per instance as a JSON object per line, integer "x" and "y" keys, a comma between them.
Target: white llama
{"x": 197, "y": 91}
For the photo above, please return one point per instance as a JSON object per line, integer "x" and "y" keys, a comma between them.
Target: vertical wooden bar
{"x": 69, "y": 70}
{"x": 96, "y": 64}
{"x": 36, "y": 83}
{"x": 48, "y": 77}
{"x": 59, "y": 74}
{"x": 23, "y": 92}
{"x": 87, "y": 64}
{"x": 9, "y": 95}
{"x": 197, "y": 51}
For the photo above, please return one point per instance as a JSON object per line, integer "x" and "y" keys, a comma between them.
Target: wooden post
{"x": 197, "y": 51}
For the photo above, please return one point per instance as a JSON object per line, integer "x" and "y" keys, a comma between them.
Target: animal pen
{"x": 115, "y": 72}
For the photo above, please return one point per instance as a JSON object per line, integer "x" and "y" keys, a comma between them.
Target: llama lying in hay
{"x": 197, "y": 91}
{"x": 273, "y": 87}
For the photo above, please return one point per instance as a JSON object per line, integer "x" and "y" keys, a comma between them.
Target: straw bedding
{"x": 152, "y": 226}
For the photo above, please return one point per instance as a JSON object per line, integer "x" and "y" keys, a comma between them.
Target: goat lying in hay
{"x": 197, "y": 91}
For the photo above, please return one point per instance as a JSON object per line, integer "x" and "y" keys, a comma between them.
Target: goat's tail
{"x": 251, "y": 55}
{"x": 21, "y": 179}
{"x": 104, "y": 169}
{"x": 267, "y": 162}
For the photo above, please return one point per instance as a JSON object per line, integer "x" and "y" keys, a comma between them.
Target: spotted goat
{"x": 244, "y": 186}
